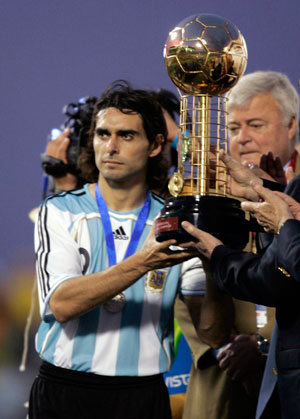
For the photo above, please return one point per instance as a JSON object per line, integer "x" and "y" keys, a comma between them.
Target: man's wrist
{"x": 282, "y": 222}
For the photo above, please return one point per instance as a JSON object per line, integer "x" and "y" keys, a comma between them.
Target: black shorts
{"x": 59, "y": 393}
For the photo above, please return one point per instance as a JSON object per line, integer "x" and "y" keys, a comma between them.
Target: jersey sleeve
{"x": 57, "y": 253}
{"x": 193, "y": 279}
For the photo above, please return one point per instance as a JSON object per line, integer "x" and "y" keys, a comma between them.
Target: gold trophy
{"x": 205, "y": 55}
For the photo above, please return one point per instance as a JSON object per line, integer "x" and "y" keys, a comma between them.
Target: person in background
{"x": 60, "y": 159}
{"x": 171, "y": 109}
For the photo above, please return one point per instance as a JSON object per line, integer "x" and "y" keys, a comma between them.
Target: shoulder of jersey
{"x": 66, "y": 194}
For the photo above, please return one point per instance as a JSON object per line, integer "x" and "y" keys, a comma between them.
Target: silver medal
{"x": 116, "y": 304}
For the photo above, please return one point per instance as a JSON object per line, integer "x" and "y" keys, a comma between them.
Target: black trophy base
{"x": 219, "y": 216}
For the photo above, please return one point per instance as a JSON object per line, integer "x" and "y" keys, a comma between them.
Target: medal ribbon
{"x": 109, "y": 238}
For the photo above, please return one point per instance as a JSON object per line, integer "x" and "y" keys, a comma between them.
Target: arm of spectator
{"x": 213, "y": 314}
{"x": 242, "y": 360}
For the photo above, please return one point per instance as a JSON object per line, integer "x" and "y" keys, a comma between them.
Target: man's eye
{"x": 127, "y": 137}
{"x": 102, "y": 135}
{"x": 233, "y": 130}
{"x": 256, "y": 126}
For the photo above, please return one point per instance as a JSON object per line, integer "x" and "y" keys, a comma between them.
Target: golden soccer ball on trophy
{"x": 205, "y": 54}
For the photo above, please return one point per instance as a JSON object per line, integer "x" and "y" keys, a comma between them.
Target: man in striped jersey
{"x": 106, "y": 286}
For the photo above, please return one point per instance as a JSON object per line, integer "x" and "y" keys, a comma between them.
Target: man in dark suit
{"x": 263, "y": 112}
{"x": 271, "y": 279}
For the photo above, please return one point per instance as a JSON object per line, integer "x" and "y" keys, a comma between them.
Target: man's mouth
{"x": 112, "y": 162}
{"x": 248, "y": 152}
{"x": 250, "y": 156}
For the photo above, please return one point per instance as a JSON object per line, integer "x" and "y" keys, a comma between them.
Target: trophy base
{"x": 222, "y": 217}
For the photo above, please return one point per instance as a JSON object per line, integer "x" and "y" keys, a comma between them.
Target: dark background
{"x": 56, "y": 51}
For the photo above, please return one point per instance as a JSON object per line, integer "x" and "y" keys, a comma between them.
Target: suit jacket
{"x": 272, "y": 279}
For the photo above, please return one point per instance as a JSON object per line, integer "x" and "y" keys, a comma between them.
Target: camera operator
{"x": 59, "y": 161}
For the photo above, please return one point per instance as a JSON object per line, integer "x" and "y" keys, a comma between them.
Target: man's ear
{"x": 156, "y": 146}
{"x": 292, "y": 127}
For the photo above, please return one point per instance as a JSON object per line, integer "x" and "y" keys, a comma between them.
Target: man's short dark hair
{"x": 122, "y": 96}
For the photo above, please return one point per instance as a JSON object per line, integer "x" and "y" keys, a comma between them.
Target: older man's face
{"x": 257, "y": 129}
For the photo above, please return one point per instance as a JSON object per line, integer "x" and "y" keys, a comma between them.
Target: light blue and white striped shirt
{"x": 138, "y": 341}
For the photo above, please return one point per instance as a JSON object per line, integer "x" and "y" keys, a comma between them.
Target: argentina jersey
{"x": 70, "y": 242}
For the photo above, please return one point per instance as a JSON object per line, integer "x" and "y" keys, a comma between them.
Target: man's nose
{"x": 243, "y": 135}
{"x": 113, "y": 144}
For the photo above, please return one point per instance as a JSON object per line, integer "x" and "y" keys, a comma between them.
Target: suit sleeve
{"x": 251, "y": 277}
{"x": 267, "y": 278}
{"x": 293, "y": 188}
{"x": 289, "y": 245}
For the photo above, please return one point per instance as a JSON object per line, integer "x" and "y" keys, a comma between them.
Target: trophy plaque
{"x": 205, "y": 55}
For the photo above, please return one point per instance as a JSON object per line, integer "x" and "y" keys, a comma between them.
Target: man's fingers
{"x": 264, "y": 193}
{"x": 192, "y": 230}
{"x": 255, "y": 208}
{"x": 187, "y": 245}
{"x": 64, "y": 140}
{"x": 249, "y": 206}
{"x": 63, "y": 149}
{"x": 242, "y": 175}
{"x": 228, "y": 160}
{"x": 288, "y": 199}
{"x": 66, "y": 132}
{"x": 274, "y": 166}
{"x": 278, "y": 164}
{"x": 61, "y": 138}
{"x": 167, "y": 243}
{"x": 205, "y": 244}
{"x": 58, "y": 148}
{"x": 263, "y": 163}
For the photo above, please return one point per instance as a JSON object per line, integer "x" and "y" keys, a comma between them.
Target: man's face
{"x": 121, "y": 146}
{"x": 257, "y": 129}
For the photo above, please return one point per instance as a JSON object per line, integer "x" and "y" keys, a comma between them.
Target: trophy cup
{"x": 204, "y": 55}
